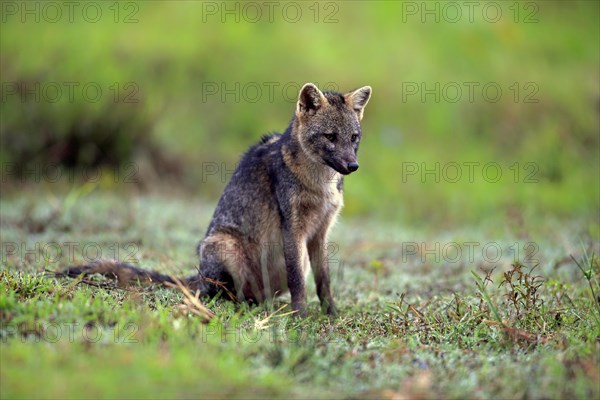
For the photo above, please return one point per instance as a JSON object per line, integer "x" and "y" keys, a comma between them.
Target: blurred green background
{"x": 182, "y": 87}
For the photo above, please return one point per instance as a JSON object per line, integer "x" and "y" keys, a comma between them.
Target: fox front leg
{"x": 317, "y": 250}
{"x": 294, "y": 254}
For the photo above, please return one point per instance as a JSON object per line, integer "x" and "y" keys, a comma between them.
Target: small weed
{"x": 376, "y": 267}
{"x": 523, "y": 294}
{"x": 592, "y": 276}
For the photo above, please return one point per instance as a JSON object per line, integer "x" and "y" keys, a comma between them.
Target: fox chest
{"x": 310, "y": 216}
{"x": 312, "y": 213}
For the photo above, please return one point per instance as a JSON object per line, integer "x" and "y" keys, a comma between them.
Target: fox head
{"x": 328, "y": 125}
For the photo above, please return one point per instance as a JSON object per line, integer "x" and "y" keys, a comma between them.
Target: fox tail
{"x": 126, "y": 275}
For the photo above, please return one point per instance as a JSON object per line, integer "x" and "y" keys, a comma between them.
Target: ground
{"x": 493, "y": 310}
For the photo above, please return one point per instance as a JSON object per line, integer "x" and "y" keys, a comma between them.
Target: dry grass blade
{"x": 261, "y": 324}
{"x": 191, "y": 302}
{"x": 517, "y": 335}
{"x": 223, "y": 287}
{"x": 415, "y": 311}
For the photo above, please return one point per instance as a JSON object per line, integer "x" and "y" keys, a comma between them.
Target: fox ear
{"x": 358, "y": 99}
{"x": 310, "y": 99}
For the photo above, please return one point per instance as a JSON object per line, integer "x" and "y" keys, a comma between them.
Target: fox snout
{"x": 344, "y": 167}
{"x": 352, "y": 166}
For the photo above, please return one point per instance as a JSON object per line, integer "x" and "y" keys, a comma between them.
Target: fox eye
{"x": 329, "y": 136}
{"x": 354, "y": 138}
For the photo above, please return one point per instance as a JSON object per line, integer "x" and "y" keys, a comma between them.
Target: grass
{"x": 415, "y": 322}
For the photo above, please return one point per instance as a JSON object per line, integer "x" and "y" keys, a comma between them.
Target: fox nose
{"x": 353, "y": 166}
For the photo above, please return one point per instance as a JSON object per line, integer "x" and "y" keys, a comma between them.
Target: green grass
{"x": 409, "y": 324}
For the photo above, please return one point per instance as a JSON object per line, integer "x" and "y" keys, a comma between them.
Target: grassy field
{"x": 424, "y": 313}
{"x": 465, "y": 264}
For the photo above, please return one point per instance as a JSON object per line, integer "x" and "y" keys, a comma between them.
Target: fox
{"x": 272, "y": 221}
